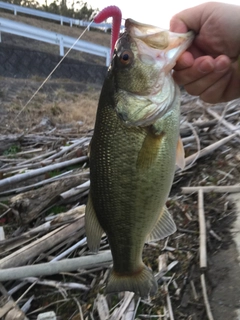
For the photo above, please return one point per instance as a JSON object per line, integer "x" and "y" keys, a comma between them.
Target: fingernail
{"x": 221, "y": 65}
{"x": 206, "y": 66}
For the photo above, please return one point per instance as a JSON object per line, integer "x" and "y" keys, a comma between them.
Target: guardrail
{"x": 51, "y": 16}
{"x": 24, "y": 30}
{"x": 34, "y": 12}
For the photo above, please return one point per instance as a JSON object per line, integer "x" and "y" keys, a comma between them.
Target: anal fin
{"x": 164, "y": 227}
{"x": 94, "y": 231}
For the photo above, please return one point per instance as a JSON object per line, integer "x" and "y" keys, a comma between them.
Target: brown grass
{"x": 80, "y": 108}
{"x": 59, "y": 105}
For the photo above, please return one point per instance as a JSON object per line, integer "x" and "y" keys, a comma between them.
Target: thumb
{"x": 177, "y": 25}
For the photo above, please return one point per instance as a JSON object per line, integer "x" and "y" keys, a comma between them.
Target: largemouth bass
{"x": 133, "y": 152}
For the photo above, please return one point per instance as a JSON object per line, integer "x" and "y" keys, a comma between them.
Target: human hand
{"x": 210, "y": 68}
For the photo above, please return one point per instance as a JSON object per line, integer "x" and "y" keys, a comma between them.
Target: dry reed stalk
{"x": 23, "y": 255}
{"x": 46, "y": 269}
{"x": 220, "y": 189}
{"x": 202, "y": 231}
{"x": 227, "y": 124}
{"x": 209, "y": 149}
{"x": 37, "y": 172}
{"x": 205, "y": 297}
{"x": 29, "y": 205}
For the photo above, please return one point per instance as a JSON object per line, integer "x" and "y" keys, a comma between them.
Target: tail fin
{"x": 142, "y": 282}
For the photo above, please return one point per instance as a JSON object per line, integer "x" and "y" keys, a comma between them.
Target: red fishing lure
{"x": 115, "y": 13}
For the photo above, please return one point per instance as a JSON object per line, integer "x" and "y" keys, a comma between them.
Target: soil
{"x": 225, "y": 276}
{"x": 64, "y": 101}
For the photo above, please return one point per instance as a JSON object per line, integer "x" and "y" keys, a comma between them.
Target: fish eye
{"x": 126, "y": 57}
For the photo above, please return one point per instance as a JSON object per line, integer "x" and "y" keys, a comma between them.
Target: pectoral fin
{"x": 94, "y": 231}
{"x": 180, "y": 155}
{"x": 164, "y": 227}
{"x": 150, "y": 150}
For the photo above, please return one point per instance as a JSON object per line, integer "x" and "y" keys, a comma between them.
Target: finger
{"x": 226, "y": 88}
{"x": 205, "y": 77}
{"x": 186, "y": 60}
{"x": 215, "y": 93}
{"x": 197, "y": 87}
{"x": 177, "y": 25}
{"x": 215, "y": 80}
{"x": 189, "y": 19}
{"x": 222, "y": 63}
{"x": 199, "y": 69}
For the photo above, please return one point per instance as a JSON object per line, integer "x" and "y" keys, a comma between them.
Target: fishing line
{"x": 42, "y": 84}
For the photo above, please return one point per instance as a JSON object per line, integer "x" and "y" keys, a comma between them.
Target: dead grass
{"x": 82, "y": 108}
{"x": 58, "y": 104}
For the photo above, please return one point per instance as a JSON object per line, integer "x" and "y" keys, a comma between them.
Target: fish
{"x": 133, "y": 152}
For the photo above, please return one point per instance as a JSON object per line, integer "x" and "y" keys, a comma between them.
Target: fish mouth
{"x": 158, "y": 45}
